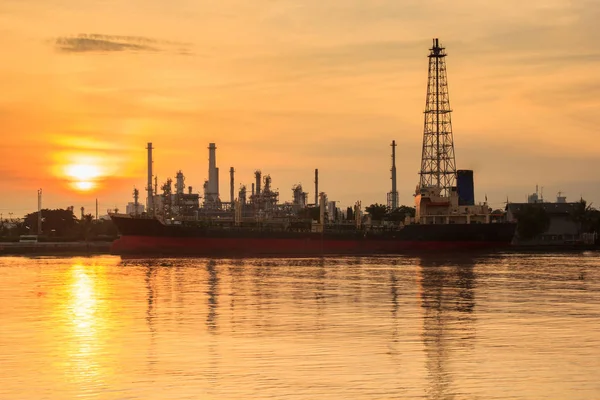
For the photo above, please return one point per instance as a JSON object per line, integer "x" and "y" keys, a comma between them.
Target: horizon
{"x": 287, "y": 88}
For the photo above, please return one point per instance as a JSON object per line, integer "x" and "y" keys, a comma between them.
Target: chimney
{"x": 231, "y": 185}
{"x": 213, "y": 173}
{"x": 316, "y": 187}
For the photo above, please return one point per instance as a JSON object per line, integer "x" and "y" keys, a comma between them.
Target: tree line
{"x": 533, "y": 219}
{"x": 58, "y": 225}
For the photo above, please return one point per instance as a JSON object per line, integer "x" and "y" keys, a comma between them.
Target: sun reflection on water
{"x": 87, "y": 326}
{"x": 83, "y": 301}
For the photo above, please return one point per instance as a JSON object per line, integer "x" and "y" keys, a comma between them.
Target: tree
{"x": 400, "y": 213}
{"x": 377, "y": 211}
{"x": 85, "y": 226}
{"x": 587, "y": 217}
{"x": 59, "y": 222}
{"x": 532, "y": 220}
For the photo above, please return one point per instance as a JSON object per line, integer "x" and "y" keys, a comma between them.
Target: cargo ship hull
{"x": 151, "y": 237}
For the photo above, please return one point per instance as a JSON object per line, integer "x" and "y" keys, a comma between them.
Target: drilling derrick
{"x": 438, "y": 166}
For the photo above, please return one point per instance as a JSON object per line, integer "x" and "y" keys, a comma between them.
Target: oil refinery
{"x": 183, "y": 222}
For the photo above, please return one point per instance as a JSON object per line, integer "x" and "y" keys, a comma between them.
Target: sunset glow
{"x": 83, "y": 176}
{"x": 288, "y": 88}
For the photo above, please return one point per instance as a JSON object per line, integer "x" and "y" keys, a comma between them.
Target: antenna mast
{"x": 392, "y": 198}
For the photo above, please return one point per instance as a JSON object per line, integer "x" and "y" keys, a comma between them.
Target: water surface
{"x": 483, "y": 327}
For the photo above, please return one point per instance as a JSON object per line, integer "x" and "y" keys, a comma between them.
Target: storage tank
{"x": 465, "y": 187}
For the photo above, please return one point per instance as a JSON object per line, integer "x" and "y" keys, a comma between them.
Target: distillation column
{"x": 212, "y": 190}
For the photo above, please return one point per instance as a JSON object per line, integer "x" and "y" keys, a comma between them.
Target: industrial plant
{"x": 444, "y": 195}
{"x": 261, "y": 203}
{"x": 258, "y": 222}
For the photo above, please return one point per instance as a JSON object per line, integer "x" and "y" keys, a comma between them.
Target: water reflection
{"x": 213, "y": 287}
{"x": 83, "y": 302}
{"x": 504, "y": 327}
{"x": 394, "y": 303}
{"x": 149, "y": 278}
{"x": 236, "y": 275}
{"x": 320, "y": 297}
{"x": 87, "y": 323}
{"x": 447, "y": 293}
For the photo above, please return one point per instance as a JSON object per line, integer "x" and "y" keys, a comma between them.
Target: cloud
{"x": 98, "y": 43}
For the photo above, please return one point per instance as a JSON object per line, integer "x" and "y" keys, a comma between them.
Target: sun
{"x": 84, "y": 185}
{"x": 83, "y": 176}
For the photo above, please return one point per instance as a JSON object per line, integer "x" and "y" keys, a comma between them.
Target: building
{"x": 563, "y": 228}
{"x": 131, "y": 208}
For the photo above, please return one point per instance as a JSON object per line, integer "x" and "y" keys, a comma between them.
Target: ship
{"x": 151, "y": 236}
{"x": 262, "y": 226}
{"x": 445, "y": 218}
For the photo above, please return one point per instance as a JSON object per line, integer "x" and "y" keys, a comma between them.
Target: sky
{"x": 290, "y": 86}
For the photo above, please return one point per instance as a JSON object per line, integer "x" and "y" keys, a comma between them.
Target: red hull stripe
{"x": 141, "y": 245}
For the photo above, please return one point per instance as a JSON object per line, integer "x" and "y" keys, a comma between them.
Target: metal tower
{"x": 438, "y": 166}
{"x": 150, "y": 201}
{"x": 392, "y": 197}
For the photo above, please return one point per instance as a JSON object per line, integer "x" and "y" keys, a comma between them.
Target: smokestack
{"x": 82, "y": 213}
{"x": 231, "y": 185}
{"x": 96, "y": 209}
{"x": 149, "y": 188}
{"x": 213, "y": 172}
{"x": 316, "y": 187}
{"x": 253, "y": 189}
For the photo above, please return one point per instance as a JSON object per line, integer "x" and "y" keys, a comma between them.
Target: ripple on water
{"x": 497, "y": 326}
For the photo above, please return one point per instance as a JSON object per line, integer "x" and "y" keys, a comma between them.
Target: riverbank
{"x": 51, "y": 248}
{"x": 104, "y": 247}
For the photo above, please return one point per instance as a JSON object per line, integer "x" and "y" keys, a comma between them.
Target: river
{"x": 496, "y": 326}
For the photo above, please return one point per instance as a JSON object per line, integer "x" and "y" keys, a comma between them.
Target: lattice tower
{"x": 438, "y": 165}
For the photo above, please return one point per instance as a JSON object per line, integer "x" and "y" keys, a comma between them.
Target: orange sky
{"x": 290, "y": 86}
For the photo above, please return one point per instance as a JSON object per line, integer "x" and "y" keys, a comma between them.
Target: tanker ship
{"x": 445, "y": 214}
{"x": 150, "y": 236}
{"x": 259, "y": 225}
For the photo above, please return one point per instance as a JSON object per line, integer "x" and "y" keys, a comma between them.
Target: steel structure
{"x": 150, "y": 201}
{"x": 438, "y": 165}
{"x": 392, "y": 197}
{"x": 136, "y": 200}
